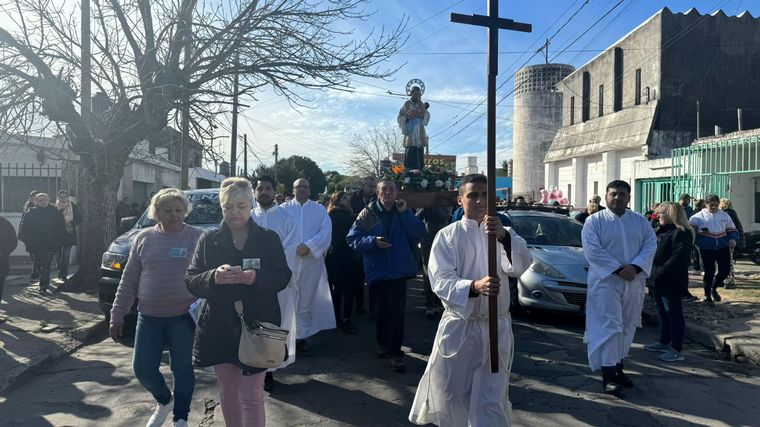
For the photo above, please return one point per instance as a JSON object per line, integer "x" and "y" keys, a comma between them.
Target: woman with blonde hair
{"x": 670, "y": 273}
{"x": 154, "y": 274}
{"x": 240, "y": 261}
{"x": 727, "y": 207}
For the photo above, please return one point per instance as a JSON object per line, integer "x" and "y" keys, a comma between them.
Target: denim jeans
{"x": 62, "y": 260}
{"x": 670, "y": 309}
{"x": 710, "y": 257}
{"x": 153, "y": 333}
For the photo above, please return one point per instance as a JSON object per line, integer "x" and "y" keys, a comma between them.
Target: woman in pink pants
{"x": 238, "y": 262}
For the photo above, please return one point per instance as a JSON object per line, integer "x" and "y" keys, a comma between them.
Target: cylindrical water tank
{"x": 538, "y": 116}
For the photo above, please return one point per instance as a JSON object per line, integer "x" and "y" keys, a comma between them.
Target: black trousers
{"x": 43, "y": 260}
{"x": 391, "y": 305}
{"x": 670, "y": 309}
{"x": 709, "y": 257}
{"x": 343, "y": 299}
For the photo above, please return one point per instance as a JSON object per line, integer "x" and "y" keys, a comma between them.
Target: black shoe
{"x": 44, "y": 291}
{"x": 610, "y": 381}
{"x": 689, "y": 297}
{"x": 621, "y": 377}
{"x": 382, "y": 352}
{"x": 348, "y": 327}
{"x": 269, "y": 382}
{"x": 398, "y": 365}
{"x": 708, "y": 302}
{"x": 715, "y": 295}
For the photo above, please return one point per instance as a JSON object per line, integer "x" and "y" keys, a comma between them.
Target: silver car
{"x": 557, "y": 278}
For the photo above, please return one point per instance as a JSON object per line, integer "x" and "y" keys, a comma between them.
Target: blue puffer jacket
{"x": 396, "y": 262}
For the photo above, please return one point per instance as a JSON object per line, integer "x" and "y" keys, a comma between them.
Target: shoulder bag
{"x": 264, "y": 346}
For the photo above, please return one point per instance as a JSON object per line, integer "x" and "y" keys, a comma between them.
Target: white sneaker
{"x": 160, "y": 414}
{"x": 180, "y": 423}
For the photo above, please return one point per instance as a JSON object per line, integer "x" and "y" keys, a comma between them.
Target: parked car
{"x": 206, "y": 214}
{"x": 557, "y": 278}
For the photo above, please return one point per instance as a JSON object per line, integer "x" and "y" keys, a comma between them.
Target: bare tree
{"x": 366, "y": 151}
{"x": 141, "y": 62}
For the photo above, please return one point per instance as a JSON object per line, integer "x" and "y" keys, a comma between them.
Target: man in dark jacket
{"x": 359, "y": 200}
{"x": 435, "y": 219}
{"x": 43, "y": 231}
{"x": 385, "y": 233}
{"x": 8, "y": 244}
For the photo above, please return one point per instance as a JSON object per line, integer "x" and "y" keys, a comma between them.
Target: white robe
{"x": 279, "y": 221}
{"x": 314, "y": 309}
{"x": 458, "y": 388}
{"x": 613, "y": 305}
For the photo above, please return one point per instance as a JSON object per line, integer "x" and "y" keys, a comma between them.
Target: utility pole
{"x": 276, "y": 154}
{"x": 233, "y": 148}
{"x": 697, "y": 119}
{"x": 86, "y": 66}
{"x": 185, "y": 142}
{"x": 245, "y": 155}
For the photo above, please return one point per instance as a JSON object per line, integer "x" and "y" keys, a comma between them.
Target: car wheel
{"x": 514, "y": 297}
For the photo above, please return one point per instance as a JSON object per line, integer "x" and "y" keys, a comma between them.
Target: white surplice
{"x": 279, "y": 221}
{"x": 314, "y": 308}
{"x": 613, "y": 305}
{"x": 458, "y": 388}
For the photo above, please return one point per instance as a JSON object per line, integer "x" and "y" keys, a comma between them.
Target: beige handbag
{"x": 263, "y": 346}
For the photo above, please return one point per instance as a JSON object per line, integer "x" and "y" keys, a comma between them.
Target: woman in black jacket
{"x": 43, "y": 231}
{"x": 343, "y": 263}
{"x": 239, "y": 261}
{"x": 670, "y": 273}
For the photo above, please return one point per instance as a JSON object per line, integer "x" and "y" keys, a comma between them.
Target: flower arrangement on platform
{"x": 426, "y": 179}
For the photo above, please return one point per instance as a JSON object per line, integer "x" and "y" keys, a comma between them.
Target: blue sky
{"x": 451, "y": 60}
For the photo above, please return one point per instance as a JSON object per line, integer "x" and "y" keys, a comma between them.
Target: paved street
{"x": 340, "y": 382}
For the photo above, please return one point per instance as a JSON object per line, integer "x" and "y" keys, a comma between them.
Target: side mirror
{"x": 127, "y": 223}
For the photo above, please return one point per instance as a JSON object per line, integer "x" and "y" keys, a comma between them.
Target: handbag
{"x": 264, "y": 346}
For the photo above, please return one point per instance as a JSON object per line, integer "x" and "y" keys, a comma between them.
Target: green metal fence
{"x": 706, "y": 168}
{"x": 649, "y": 191}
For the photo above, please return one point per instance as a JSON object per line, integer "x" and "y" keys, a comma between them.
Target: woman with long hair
{"x": 342, "y": 262}
{"x": 670, "y": 272}
{"x": 240, "y": 261}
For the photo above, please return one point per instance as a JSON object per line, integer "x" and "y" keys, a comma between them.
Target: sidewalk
{"x": 36, "y": 330}
{"x": 733, "y": 325}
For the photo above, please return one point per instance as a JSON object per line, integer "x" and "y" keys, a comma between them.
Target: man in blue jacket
{"x": 385, "y": 233}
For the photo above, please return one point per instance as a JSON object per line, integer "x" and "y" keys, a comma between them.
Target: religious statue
{"x": 412, "y": 119}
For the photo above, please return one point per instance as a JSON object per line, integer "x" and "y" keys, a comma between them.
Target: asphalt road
{"x": 340, "y": 382}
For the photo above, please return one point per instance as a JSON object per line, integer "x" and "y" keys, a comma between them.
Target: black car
{"x": 206, "y": 214}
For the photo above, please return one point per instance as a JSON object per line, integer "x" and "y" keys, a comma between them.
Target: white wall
{"x": 743, "y": 199}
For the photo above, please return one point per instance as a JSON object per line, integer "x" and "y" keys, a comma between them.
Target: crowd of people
{"x": 304, "y": 267}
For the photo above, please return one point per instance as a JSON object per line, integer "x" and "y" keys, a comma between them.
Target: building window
{"x": 601, "y": 100}
{"x": 618, "y": 72}
{"x": 638, "y": 87}
{"x": 572, "y": 110}
{"x": 586, "y": 106}
{"x": 569, "y": 195}
{"x": 596, "y": 188}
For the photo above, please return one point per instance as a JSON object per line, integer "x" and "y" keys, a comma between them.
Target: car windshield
{"x": 540, "y": 230}
{"x": 206, "y": 210}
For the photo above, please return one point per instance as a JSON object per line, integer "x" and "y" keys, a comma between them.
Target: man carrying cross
{"x": 458, "y": 388}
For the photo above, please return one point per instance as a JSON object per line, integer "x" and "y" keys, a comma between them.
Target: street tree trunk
{"x": 97, "y": 198}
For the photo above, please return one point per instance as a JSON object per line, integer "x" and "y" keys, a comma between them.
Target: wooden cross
{"x": 494, "y": 24}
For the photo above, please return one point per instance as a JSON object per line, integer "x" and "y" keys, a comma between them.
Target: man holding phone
{"x": 385, "y": 233}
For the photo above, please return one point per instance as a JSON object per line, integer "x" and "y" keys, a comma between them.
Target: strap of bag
{"x": 239, "y": 309}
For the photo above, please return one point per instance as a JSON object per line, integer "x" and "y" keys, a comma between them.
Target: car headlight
{"x": 112, "y": 261}
{"x": 545, "y": 270}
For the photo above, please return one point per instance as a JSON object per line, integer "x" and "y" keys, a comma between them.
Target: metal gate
{"x": 649, "y": 191}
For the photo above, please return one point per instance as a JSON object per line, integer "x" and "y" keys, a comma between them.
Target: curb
{"x": 76, "y": 339}
{"x": 727, "y": 343}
